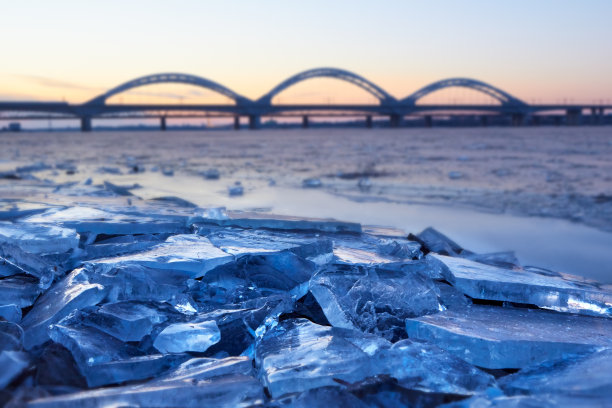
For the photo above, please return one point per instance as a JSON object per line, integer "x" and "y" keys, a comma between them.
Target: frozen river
{"x": 545, "y": 193}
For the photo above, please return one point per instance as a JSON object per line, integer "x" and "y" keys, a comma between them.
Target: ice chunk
{"x": 19, "y": 290}
{"x": 211, "y": 174}
{"x": 119, "y": 190}
{"x": 181, "y": 337}
{"x": 434, "y": 241}
{"x": 8, "y": 269}
{"x": 38, "y": 239}
{"x": 366, "y": 249}
{"x": 254, "y": 276}
{"x": 298, "y": 355}
{"x": 13, "y": 363}
{"x": 488, "y": 282}
{"x": 588, "y": 376}
{"x": 236, "y": 190}
{"x": 56, "y": 367}
{"x": 39, "y": 250}
{"x": 496, "y": 337}
{"x": 192, "y": 254}
{"x": 126, "y": 321}
{"x": 136, "y": 282}
{"x": 11, "y": 336}
{"x": 374, "y": 300}
{"x": 95, "y": 221}
{"x": 239, "y": 324}
{"x": 71, "y": 293}
{"x": 198, "y": 369}
{"x": 11, "y": 313}
{"x": 312, "y": 183}
{"x": 102, "y": 359}
{"x": 282, "y": 222}
{"x": 122, "y": 244}
{"x": 228, "y": 391}
{"x": 239, "y": 242}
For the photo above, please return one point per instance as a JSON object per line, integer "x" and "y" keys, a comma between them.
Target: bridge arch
{"x": 164, "y": 78}
{"x": 503, "y": 97}
{"x": 336, "y": 73}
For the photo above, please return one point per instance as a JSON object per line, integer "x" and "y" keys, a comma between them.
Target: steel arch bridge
{"x": 503, "y": 97}
{"x": 383, "y": 96}
{"x": 165, "y": 78}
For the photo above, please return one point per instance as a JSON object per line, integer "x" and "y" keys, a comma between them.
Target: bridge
{"x": 396, "y": 110}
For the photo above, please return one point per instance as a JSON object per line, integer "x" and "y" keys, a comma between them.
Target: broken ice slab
{"x": 365, "y": 249}
{"x": 281, "y": 222}
{"x": 239, "y": 242}
{"x": 253, "y": 276}
{"x": 497, "y": 337}
{"x": 8, "y": 269}
{"x": 588, "y": 376}
{"x": 11, "y": 336}
{"x": 488, "y": 282}
{"x": 103, "y": 359}
{"x": 236, "y": 190}
{"x": 192, "y": 254}
{"x": 374, "y": 300}
{"x": 38, "y": 239}
{"x": 12, "y": 209}
{"x": 19, "y": 290}
{"x": 298, "y": 355}
{"x": 240, "y": 324}
{"x": 312, "y": 183}
{"x": 529, "y": 401}
{"x": 13, "y": 363}
{"x": 136, "y": 282}
{"x": 40, "y": 250}
{"x": 433, "y": 240}
{"x": 126, "y": 321}
{"x": 211, "y": 174}
{"x": 71, "y": 293}
{"x": 183, "y": 337}
{"x": 198, "y": 369}
{"x": 94, "y": 221}
{"x": 119, "y": 190}
{"x": 226, "y": 391}
{"x": 122, "y": 244}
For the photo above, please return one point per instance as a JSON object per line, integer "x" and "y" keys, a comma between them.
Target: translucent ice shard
{"x": 71, "y": 293}
{"x": 182, "y": 337}
{"x": 10, "y": 313}
{"x": 496, "y": 337}
{"x": 13, "y": 363}
{"x": 197, "y": 369}
{"x": 227, "y": 391}
{"x": 488, "y": 282}
{"x": 19, "y": 290}
{"x": 102, "y": 359}
{"x": 374, "y": 300}
{"x": 94, "y": 221}
{"x": 587, "y": 376}
{"x": 122, "y": 244}
{"x": 433, "y": 240}
{"x": 298, "y": 355}
{"x": 126, "y": 321}
{"x": 239, "y": 324}
{"x": 253, "y": 276}
{"x": 40, "y": 250}
{"x": 192, "y": 254}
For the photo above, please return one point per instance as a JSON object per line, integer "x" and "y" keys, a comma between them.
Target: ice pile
{"x": 190, "y": 307}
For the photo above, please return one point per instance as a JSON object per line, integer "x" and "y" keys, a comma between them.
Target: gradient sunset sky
{"x": 540, "y": 51}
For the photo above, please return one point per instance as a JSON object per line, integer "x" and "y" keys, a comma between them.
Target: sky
{"x": 540, "y": 51}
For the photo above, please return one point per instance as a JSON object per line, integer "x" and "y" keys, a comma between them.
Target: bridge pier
{"x": 305, "y": 124}
{"x": 85, "y": 123}
{"x": 484, "y": 120}
{"x": 368, "y": 121}
{"x": 535, "y": 120}
{"x": 572, "y": 116}
{"x": 254, "y": 121}
{"x": 162, "y": 123}
{"x": 428, "y": 121}
{"x": 395, "y": 120}
{"x": 517, "y": 119}
{"x": 236, "y": 122}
